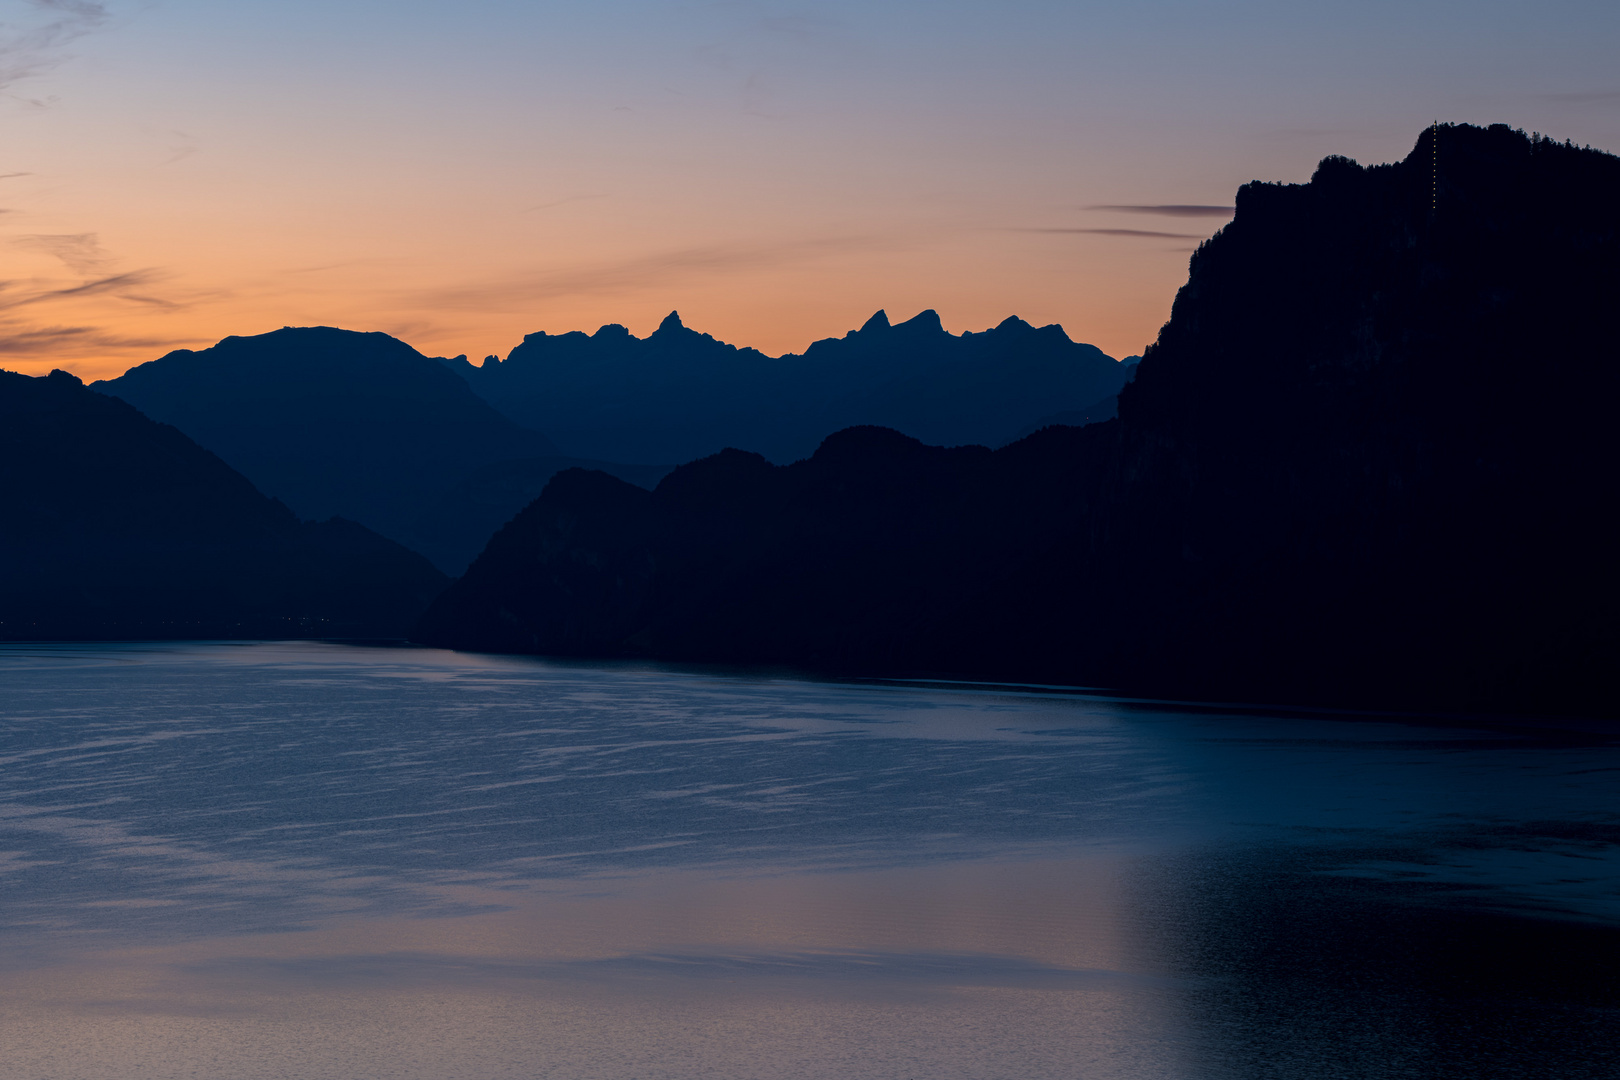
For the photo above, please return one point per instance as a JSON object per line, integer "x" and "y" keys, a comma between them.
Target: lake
{"x": 302, "y": 860}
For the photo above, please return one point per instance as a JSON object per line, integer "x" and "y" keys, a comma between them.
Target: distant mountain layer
{"x": 115, "y": 526}
{"x": 678, "y": 394}
{"x": 334, "y": 422}
{"x": 1331, "y": 482}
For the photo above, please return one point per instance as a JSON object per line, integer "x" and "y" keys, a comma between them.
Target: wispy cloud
{"x": 82, "y": 322}
{"x": 180, "y": 146}
{"x": 1169, "y": 209}
{"x": 80, "y": 252}
{"x": 762, "y": 52}
{"x": 121, "y": 286}
{"x": 67, "y": 324}
{"x": 1585, "y": 97}
{"x": 29, "y": 50}
{"x": 344, "y": 264}
{"x": 1122, "y": 232}
{"x": 816, "y": 31}
{"x": 560, "y": 202}
{"x": 54, "y": 341}
{"x": 524, "y": 289}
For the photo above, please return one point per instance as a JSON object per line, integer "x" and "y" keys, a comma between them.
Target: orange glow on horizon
{"x": 777, "y": 297}
{"x": 182, "y": 172}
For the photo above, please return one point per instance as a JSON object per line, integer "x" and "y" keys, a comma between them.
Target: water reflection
{"x": 303, "y": 860}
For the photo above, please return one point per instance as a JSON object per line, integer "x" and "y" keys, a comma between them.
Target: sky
{"x": 462, "y": 173}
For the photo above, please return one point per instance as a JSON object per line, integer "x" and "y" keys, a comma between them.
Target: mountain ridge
{"x": 679, "y": 394}
{"x": 117, "y": 526}
{"x": 1329, "y": 483}
{"x": 353, "y": 424}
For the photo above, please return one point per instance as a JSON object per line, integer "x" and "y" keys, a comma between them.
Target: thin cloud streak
{"x": 26, "y": 341}
{"x": 1591, "y": 97}
{"x": 116, "y": 285}
{"x": 1121, "y": 232}
{"x": 1169, "y": 209}
{"x": 523, "y": 289}
{"x": 560, "y": 202}
{"x": 80, "y": 252}
{"x": 33, "y": 50}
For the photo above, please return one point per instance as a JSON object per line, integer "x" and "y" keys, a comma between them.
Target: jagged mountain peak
{"x": 923, "y": 322}
{"x": 1368, "y": 462}
{"x": 680, "y": 394}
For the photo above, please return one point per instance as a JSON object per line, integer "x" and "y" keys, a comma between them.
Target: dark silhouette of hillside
{"x": 115, "y": 526}
{"x": 678, "y": 394}
{"x": 843, "y": 560}
{"x": 335, "y": 422}
{"x": 1388, "y": 510}
{"x": 1095, "y": 413}
{"x": 1331, "y": 482}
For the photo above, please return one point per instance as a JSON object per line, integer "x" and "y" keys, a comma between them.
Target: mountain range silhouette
{"x": 119, "y": 527}
{"x": 1331, "y": 482}
{"x": 361, "y": 425}
{"x": 677, "y": 394}
{"x": 1369, "y": 462}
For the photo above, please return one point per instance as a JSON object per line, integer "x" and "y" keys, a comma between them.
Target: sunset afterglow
{"x": 461, "y": 175}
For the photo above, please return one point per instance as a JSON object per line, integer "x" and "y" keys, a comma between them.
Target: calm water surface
{"x": 323, "y": 861}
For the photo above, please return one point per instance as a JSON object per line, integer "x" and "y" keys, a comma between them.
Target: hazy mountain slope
{"x": 679, "y": 394}
{"x": 363, "y": 426}
{"x": 335, "y": 422}
{"x": 455, "y": 523}
{"x": 1331, "y": 481}
{"x": 115, "y": 526}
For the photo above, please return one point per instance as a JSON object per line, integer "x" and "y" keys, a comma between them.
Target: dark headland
{"x": 118, "y": 527}
{"x": 1368, "y": 462}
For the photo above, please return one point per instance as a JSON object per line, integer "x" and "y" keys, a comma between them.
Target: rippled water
{"x": 302, "y": 860}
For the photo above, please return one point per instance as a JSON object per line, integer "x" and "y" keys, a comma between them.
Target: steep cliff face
{"x": 1371, "y": 455}
{"x": 1370, "y": 461}
{"x": 115, "y": 526}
